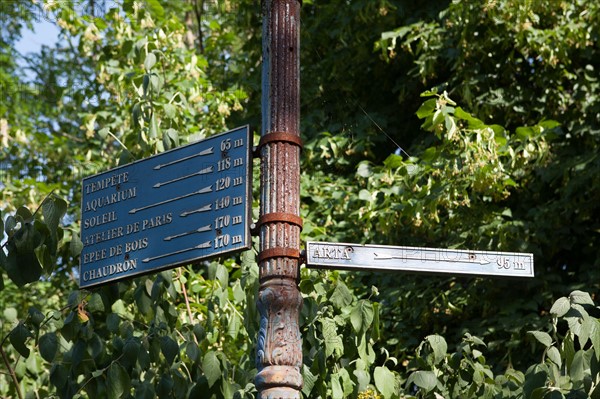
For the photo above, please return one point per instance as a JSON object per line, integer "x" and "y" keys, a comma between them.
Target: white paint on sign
{"x": 419, "y": 260}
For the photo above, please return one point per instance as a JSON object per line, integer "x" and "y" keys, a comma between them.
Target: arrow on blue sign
{"x": 201, "y": 172}
{"x": 201, "y": 191}
{"x": 205, "y": 208}
{"x": 207, "y": 244}
{"x": 208, "y": 151}
{"x": 200, "y": 230}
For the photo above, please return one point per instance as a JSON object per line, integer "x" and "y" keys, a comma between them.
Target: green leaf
{"x": 364, "y": 170}
{"x": 394, "y": 161}
{"x": 145, "y": 83}
{"x": 363, "y": 378}
{"x": 119, "y": 308}
{"x": 222, "y": 275}
{"x": 376, "y": 323}
{"x": 473, "y": 122}
{"x": 595, "y": 394}
{"x": 97, "y": 373}
{"x": 170, "y": 111}
{"x": 568, "y": 350}
{"x": 385, "y": 381}
{"x": 423, "y": 379}
{"x": 439, "y": 346}
{"x": 112, "y": 322}
{"x": 23, "y": 268}
{"x": 192, "y": 351}
{"x": 364, "y": 195}
{"x": 587, "y": 329}
{"x": 10, "y": 314}
{"x": 131, "y": 351}
{"x": 118, "y": 381}
{"x": 228, "y": 388}
{"x": 234, "y": 325}
{"x": 154, "y": 131}
{"x": 554, "y": 355}
{"x": 578, "y": 366}
{"x": 103, "y": 133}
{"x": 36, "y": 316}
{"x": 595, "y": 338}
{"x": 581, "y": 298}
{"x": 239, "y": 295}
{"x": 10, "y": 225}
{"x": 136, "y": 113}
{"x": 18, "y": 337}
{"x": 341, "y": 296}
{"x": 150, "y": 61}
{"x": 361, "y": 316}
{"x": 165, "y": 386}
{"x": 333, "y": 341}
{"x": 53, "y": 209}
{"x": 155, "y": 8}
{"x": 156, "y": 83}
{"x": 426, "y": 108}
{"x": 560, "y": 307}
{"x": 211, "y": 367}
{"x": 26, "y": 239}
{"x": 143, "y": 300}
{"x": 75, "y": 245}
{"x": 347, "y": 383}
{"x": 59, "y": 375}
{"x": 25, "y": 214}
{"x": 336, "y": 387}
{"x": 309, "y": 380}
{"x": 450, "y": 126}
{"x": 96, "y": 346}
{"x": 95, "y": 303}
{"x": 78, "y": 352}
{"x": 145, "y": 391}
{"x": 169, "y": 348}
{"x": 544, "y": 338}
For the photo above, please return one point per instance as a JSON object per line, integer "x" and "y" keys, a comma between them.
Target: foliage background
{"x": 446, "y": 124}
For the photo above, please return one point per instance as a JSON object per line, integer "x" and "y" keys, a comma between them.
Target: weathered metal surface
{"x": 174, "y": 208}
{"x": 279, "y": 347}
{"x": 328, "y": 255}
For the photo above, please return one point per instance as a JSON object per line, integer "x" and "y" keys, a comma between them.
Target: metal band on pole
{"x": 280, "y": 137}
{"x": 279, "y": 346}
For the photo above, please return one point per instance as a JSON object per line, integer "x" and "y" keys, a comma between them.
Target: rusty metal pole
{"x": 279, "y": 347}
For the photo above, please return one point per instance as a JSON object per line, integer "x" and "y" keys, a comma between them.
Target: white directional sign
{"x": 328, "y": 255}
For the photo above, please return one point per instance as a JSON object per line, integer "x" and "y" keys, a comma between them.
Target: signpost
{"x": 178, "y": 207}
{"x": 194, "y": 202}
{"x": 328, "y": 255}
{"x": 279, "y": 343}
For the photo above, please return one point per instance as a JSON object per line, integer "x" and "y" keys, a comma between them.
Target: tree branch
{"x": 187, "y": 301}
{"x": 11, "y": 371}
{"x": 198, "y": 9}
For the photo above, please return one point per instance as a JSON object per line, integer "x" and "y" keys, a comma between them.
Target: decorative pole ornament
{"x": 279, "y": 347}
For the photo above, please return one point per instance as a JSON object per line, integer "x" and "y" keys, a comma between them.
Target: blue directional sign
{"x": 175, "y": 208}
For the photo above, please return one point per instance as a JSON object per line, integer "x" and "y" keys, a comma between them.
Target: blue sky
{"x": 45, "y": 33}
